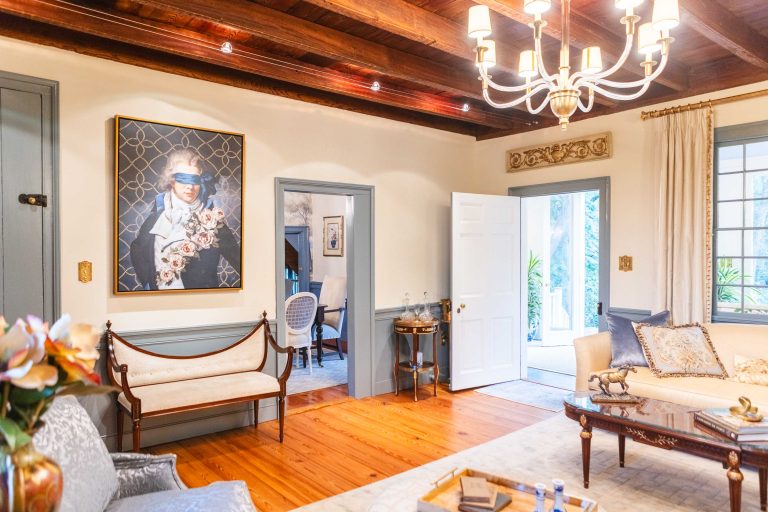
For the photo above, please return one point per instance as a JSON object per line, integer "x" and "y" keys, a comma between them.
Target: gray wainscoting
{"x": 634, "y": 314}
{"x": 196, "y": 340}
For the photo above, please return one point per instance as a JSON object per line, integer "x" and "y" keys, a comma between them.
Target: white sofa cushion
{"x": 218, "y": 496}
{"x": 693, "y": 391}
{"x": 145, "y": 369}
{"x": 171, "y": 395}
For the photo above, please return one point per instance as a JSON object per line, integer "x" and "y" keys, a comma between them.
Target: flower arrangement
{"x": 37, "y": 364}
{"x": 202, "y": 229}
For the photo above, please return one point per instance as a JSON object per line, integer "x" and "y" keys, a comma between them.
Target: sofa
{"x": 97, "y": 481}
{"x": 593, "y": 355}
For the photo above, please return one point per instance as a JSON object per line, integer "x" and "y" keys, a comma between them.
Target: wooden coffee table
{"x": 670, "y": 427}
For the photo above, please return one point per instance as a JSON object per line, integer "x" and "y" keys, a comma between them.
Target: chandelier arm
{"x": 540, "y": 62}
{"x": 507, "y": 88}
{"x": 622, "y": 97}
{"x": 541, "y": 107}
{"x": 512, "y": 103}
{"x": 629, "y": 85}
{"x": 589, "y": 104}
{"x": 608, "y": 72}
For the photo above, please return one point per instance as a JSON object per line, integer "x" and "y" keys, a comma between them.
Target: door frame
{"x": 360, "y": 242}
{"x": 305, "y": 254}
{"x": 49, "y": 91}
{"x": 603, "y": 185}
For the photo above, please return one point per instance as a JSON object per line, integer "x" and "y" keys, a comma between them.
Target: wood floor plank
{"x": 335, "y": 444}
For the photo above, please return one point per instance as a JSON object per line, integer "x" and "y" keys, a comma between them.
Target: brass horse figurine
{"x": 608, "y": 377}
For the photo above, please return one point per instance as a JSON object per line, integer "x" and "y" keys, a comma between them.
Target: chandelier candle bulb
{"x": 479, "y": 22}
{"x": 666, "y": 14}
{"x": 591, "y": 60}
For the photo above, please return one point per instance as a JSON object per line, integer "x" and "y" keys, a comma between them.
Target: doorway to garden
{"x": 565, "y": 263}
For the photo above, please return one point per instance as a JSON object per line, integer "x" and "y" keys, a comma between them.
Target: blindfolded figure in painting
{"x": 180, "y": 244}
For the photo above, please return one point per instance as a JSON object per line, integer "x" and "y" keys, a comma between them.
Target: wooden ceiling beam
{"x": 584, "y": 33}
{"x": 281, "y": 28}
{"x": 204, "y": 48}
{"x": 723, "y": 28}
{"x": 49, "y": 35}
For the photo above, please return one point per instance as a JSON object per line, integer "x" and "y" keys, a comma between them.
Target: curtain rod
{"x": 702, "y": 104}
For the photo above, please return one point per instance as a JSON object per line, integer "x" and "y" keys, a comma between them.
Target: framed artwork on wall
{"x": 178, "y": 208}
{"x": 333, "y": 236}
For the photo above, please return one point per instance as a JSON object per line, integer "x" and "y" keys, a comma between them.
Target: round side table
{"x": 416, "y": 328}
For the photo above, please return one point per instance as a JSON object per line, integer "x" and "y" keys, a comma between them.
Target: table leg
{"x": 763, "y": 474}
{"x": 414, "y": 359}
{"x": 735, "y": 477}
{"x": 319, "y": 331}
{"x": 622, "y": 444}
{"x": 436, "y": 368}
{"x": 415, "y": 386}
{"x": 397, "y": 364}
{"x": 586, "y": 442}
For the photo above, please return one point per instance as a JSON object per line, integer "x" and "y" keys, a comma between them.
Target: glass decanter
{"x": 425, "y": 315}
{"x": 408, "y": 315}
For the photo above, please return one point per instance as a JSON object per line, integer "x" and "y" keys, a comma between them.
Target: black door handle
{"x": 34, "y": 199}
{"x": 599, "y": 308}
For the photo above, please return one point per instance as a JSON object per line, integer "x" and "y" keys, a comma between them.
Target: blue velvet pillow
{"x": 625, "y": 347}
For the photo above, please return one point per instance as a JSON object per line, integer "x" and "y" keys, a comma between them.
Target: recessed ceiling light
{"x": 375, "y": 86}
{"x": 465, "y": 107}
{"x": 226, "y": 47}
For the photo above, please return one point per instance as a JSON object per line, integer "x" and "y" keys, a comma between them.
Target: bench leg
{"x": 120, "y": 420}
{"x": 255, "y": 413}
{"x": 137, "y": 435}
{"x": 281, "y": 414}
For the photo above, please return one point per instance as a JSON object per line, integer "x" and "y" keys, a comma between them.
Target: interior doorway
{"x": 315, "y": 263}
{"x": 324, "y": 269}
{"x": 564, "y": 246}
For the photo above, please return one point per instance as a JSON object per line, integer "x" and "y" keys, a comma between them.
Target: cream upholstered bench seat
{"x": 155, "y": 384}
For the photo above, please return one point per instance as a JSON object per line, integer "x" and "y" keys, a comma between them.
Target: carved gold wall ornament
{"x": 84, "y": 271}
{"x": 625, "y": 263}
{"x": 593, "y": 147}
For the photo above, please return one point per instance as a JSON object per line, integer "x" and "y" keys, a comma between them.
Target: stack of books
{"x": 721, "y": 421}
{"x": 478, "y": 496}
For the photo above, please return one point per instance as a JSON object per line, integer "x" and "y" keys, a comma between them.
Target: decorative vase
{"x": 31, "y": 482}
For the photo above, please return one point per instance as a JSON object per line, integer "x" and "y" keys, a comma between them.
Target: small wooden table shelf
{"x": 416, "y": 328}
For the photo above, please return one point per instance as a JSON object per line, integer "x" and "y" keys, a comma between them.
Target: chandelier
{"x": 564, "y": 89}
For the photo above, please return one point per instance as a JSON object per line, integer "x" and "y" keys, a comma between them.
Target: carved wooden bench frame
{"x": 135, "y": 412}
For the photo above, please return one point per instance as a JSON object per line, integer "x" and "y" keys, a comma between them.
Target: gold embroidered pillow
{"x": 750, "y": 371}
{"x": 680, "y": 351}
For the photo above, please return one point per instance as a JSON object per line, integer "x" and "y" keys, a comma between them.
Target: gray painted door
{"x": 26, "y": 167}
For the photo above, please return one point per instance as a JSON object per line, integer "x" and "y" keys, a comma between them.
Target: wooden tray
{"x": 446, "y": 497}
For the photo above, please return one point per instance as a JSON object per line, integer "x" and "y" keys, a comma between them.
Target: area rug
{"x": 333, "y": 373}
{"x": 654, "y": 480}
{"x": 528, "y": 393}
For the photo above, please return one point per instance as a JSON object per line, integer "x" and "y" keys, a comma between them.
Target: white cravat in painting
{"x": 169, "y": 231}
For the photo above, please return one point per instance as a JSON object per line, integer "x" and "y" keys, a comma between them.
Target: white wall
{"x": 324, "y": 205}
{"x": 413, "y": 169}
{"x": 630, "y": 170}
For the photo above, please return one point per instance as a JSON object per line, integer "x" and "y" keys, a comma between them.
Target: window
{"x": 741, "y": 224}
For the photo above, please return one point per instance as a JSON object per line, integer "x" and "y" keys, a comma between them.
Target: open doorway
{"x": 564, "y": 248}
{"x": 324, "y": 249}
{"x": 316, "y": 263}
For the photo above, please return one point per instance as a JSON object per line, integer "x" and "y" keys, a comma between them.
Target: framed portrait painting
{"x": 178, "y": 208}
{"x": 333, "y": 236}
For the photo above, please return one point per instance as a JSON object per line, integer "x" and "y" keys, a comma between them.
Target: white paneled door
{"x": 485, "y": 290}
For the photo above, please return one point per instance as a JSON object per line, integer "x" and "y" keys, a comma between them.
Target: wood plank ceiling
{"x": 331, "y": 51}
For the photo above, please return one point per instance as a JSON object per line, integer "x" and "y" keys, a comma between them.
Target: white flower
{"x": 219, "y": 213}
{"x": 203, "y": 239}
{"x": 176, "y": 262}
{"x": 166, "y": 275}
{"x": 208, "y": 219}
{"x": 187, "y": 248}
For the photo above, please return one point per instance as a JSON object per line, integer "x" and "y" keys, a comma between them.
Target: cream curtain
{"x": 683, "y": 147}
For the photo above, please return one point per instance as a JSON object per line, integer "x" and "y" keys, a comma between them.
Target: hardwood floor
{"x": 334, "y": 443}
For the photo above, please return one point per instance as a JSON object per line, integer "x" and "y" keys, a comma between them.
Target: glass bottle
{"x": 541, "y": 491}
{"x": 425, "y": 315}
{"x": 559, "y": 486}
{"x": 408, "y": 315}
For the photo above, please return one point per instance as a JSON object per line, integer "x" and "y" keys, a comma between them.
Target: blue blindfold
{"x": 188, "y": 179}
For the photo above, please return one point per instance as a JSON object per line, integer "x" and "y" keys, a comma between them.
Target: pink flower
{"x": 208, "y": 219}
{"x": 187, "y": 248}
{"x": 219, "y": 213}
{"x": 166, "y": 275}
{"x": 203, "y": 239}
{"x": 176, "y": 262}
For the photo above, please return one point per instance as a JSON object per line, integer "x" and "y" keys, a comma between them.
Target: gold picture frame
{"x": 143, "y": 152}
{"x": 333, "y": 236}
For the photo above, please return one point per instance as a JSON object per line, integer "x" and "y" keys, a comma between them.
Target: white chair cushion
{"x": 329, "y": 333}
{"x": 170, "y": 395}
{"x": 298, "y": 340}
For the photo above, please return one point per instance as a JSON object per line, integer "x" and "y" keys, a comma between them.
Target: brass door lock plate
{"x": 625, "y": 263}
{"x": 85, "y": 271}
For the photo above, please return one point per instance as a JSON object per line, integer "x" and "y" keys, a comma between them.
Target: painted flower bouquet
{"x": 37, "y": 364}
